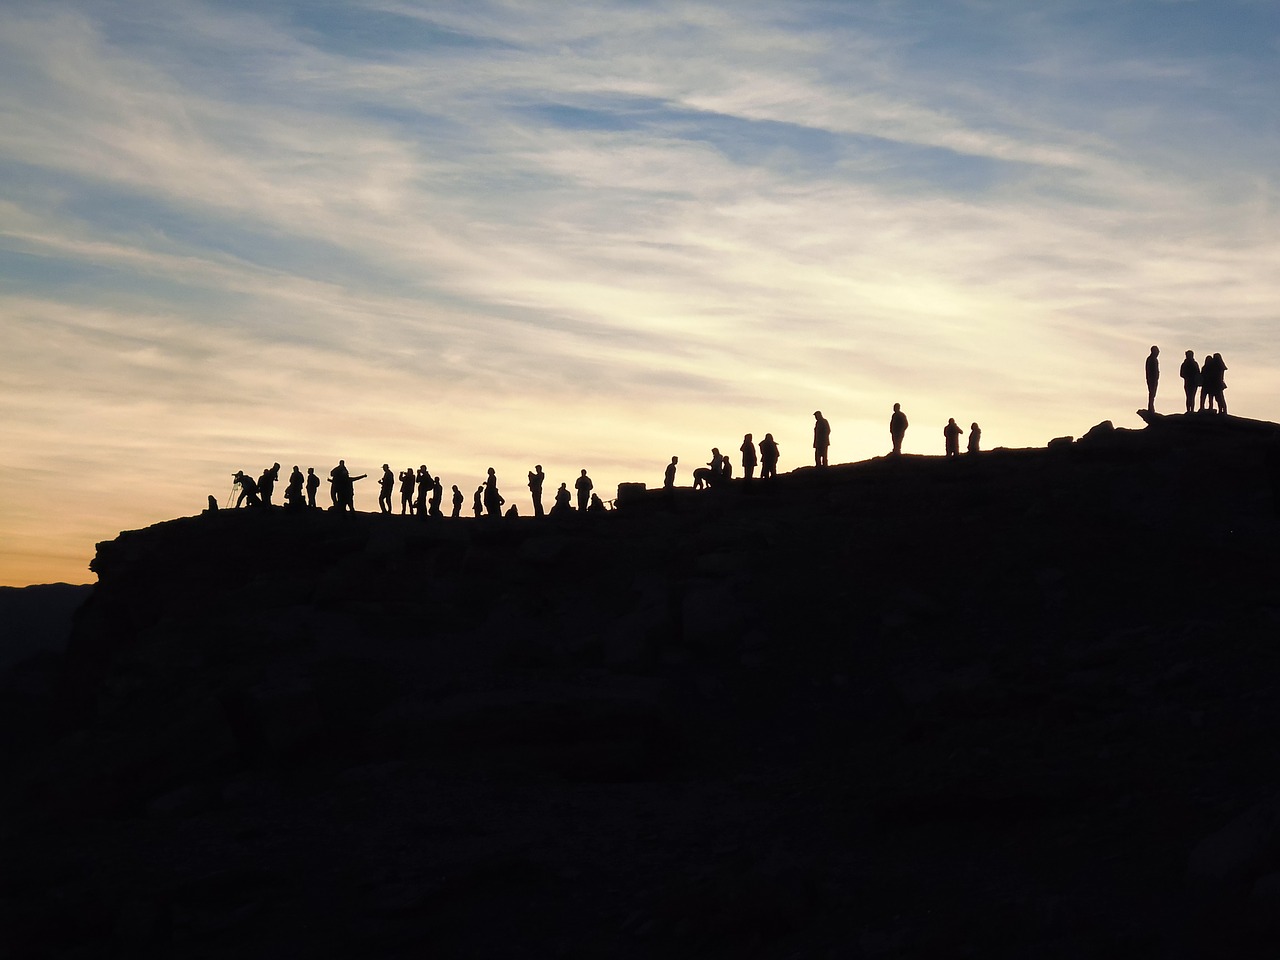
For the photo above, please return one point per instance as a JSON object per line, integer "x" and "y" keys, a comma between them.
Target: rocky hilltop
{"x": 1022, "y": 704}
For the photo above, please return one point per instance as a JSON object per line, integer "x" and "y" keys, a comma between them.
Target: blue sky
{"x": 599, "y": 234}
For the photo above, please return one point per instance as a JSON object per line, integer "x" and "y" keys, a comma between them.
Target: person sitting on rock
{"x": 596, "y": 505}
{"x": 563, "y": 502}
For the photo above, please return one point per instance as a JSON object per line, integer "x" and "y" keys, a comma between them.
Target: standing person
{"x": 385, "y": 486}
{"x": 267, "y": 483}
{"x": 437, "y": 491}
{"x": 406, "y": 491}
{"x": 293, "y": 495}
{"x": 1220, "y": 382}
{"x": 1153, "y": 377}
{"x": 536, "y": 476}
{"x": 821, "y": 439}
{"x": 1190, "y": 374}
{"x": 425, "y": 483}
{"x": 951, "y": 434}
{"x": 313, "y": 484}
{"x": 493, "y": 500}
{"x": 458, "y": 499}
{"x": 583, "y": 485}
{"x": 748, "y": 449}
{"x": 975, "y": 437}
{"x": 768, "y": 457}
{"x": 339, "y": 482}
{"x": 898, "y": 427}
{"x": 477, "y": 502}
{"x": 669, "y": 477}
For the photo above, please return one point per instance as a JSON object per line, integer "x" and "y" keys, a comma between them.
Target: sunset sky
{"x": 599, "y": 234}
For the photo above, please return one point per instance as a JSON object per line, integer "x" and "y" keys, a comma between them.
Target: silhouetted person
{"x": 563, "y": 502}
{"x": 493, "y": 500}
{"x": 726, "y": 469}
{"x": 748, "y": 458}
{"x": 1153, "y": 377}
{"x": 669, "y": 477}
{"x": 425, "y": 482}
{"x": 712, "y": 474}
{"x": 897, "y": 427}
{"x": 1220, "y": 382}
{"x": 596, "y": 505}
{"x": 248, "y": 489}
{"x": 975, "y": 437}
{"x": 213, "y": 504}
{"x": 437, "y": 492}
{"x": 339, "y": 481}
{"x": 313, "y": 484}
{"x": 536, "y": 477}
{"x": 768, "y": 457}
{"x": 294, "y": 498}
{"x": 458, "y": 500}
{"x": 951, "y": 434}
{"x": 406, "y": 491}
{"x": 477, "y": 501}
{"x": 583, "y": 485}
{"x": 267, "y": 483}
{"x": 512, "y": 512}
{"x": 385, "y": 487}
{"x": 1190, "y": 374}
{"x": 821, "y": 439}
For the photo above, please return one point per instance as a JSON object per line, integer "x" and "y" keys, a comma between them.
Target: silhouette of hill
{"x": 37, "y": 619}
{"x": 1018, "y": 704}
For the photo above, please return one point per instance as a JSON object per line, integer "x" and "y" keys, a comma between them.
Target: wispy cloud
{"x": 602, "y": 233}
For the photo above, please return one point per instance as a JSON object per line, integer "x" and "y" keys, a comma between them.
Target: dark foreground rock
{"x": 1018, "y": 705}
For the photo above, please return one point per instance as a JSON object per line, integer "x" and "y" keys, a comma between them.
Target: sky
{"x": 599, "y": 234}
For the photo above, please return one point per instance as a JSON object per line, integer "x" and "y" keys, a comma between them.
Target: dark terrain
{"x": 1017, "y": 705}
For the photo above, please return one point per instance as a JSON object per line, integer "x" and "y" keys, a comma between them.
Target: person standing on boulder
{"x": 897, "y": 427}
{"x": 1190, "y": 374}
{"x": 385, "y": 486}
{"x": 583, "y": 485}
{"x": 768, "y": 457}
{"x": 821, "y": 439}
{"x": 748, "y": 449}
{"x": 1153, "y": 378}
{"x": 951, "y": 434}
{"x": 536, "y": 477}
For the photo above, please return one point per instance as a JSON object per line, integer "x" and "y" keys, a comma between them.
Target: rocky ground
{"x": 1017, "y": 705}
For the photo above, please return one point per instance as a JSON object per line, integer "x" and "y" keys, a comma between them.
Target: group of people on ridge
{"x": 1207, "y": 379}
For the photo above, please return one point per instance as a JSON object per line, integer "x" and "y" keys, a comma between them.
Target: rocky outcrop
{"x": 1015, "y": 704}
